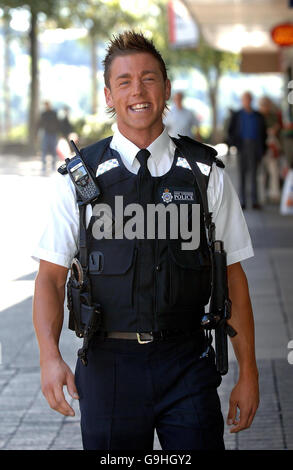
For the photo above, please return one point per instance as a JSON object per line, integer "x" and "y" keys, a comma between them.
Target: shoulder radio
{"x": 85, "y": 185}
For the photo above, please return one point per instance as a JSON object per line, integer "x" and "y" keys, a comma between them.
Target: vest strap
{"x": 201, "y": 182}
{"x": 84, "y": 314}
{"x": 82, "y": 238}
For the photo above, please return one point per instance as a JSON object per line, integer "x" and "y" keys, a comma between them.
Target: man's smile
{"x": 139, "y": 107}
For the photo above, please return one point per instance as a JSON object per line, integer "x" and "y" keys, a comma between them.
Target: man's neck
{"x": 141, "y": 139}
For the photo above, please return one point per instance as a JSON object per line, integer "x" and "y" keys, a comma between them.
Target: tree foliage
{"x": 51, "y": 8}
{"x": 102, "y": 18}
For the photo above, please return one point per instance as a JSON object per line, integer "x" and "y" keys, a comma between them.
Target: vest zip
{"x": 133, "y": 277}
{"x": 156, "y": 289}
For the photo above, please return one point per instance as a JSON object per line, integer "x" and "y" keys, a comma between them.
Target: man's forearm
{"x": 242, "y": 320}
{"x": 48, "y": 315}
{"x": 48, "y": 320}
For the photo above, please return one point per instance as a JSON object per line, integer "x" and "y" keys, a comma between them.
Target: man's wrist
{"x": 48, "y": 356}
{"x": 248, "y": 370}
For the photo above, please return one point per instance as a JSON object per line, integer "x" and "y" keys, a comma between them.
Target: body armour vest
{"x": 146, "y": 283}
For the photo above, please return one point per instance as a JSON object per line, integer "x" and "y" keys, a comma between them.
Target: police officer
{"x": 149, "y": 365}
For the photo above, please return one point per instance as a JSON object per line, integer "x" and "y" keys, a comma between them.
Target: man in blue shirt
{"x": 247, "y": 131}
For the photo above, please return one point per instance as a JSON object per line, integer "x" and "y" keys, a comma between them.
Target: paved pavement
{"x": 27, "y": 422}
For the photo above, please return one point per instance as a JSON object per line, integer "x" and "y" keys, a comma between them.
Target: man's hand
{"x": 55, "y": 373}
{"x": 244, "y": 398}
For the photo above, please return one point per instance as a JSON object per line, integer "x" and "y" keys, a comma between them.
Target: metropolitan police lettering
{"x": 183, "y": 196}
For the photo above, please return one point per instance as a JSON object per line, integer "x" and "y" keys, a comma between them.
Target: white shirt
{"x": 58, "y": 243}
{"x": 180, "y": 121}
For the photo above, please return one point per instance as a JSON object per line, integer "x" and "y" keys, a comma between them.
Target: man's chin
{"x": 140, "y": 125}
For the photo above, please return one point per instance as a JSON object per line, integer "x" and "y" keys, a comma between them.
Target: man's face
{"x": 264, "y": 106}
{"x": 138, "y": 93}
{"x": 246, "y": 101}
{"x": 178, "y": 100}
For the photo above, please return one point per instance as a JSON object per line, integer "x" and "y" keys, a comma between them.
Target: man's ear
{"x": 108, "y": 97}
{"x": 168, "y": 89}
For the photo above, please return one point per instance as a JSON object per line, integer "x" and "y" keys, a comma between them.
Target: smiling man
{"x": 149, "y": 364}
{"x": 138, "y": 91}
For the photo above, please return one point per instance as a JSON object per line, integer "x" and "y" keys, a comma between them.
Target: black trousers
{"x": 129, "y": 389}
{"x": 248, "y": 162}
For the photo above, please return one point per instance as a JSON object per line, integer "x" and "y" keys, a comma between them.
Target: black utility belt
{"x": 148, "y": 337}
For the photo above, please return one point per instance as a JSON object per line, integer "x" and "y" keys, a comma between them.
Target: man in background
{"x": 273, "y": 120}
{"x": 66, "y": 128}
{"x": 247, "y": 131}
{"x": 49, "y": 124}
{"x": 181, "y": 120}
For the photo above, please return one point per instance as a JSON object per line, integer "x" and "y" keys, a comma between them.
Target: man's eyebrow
{"x": 128, "y": 75}
{"x": 124, "y": 75}
{"x": 145, "y": 72}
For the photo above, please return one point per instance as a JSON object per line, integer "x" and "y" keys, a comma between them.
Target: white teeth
{"x": 139, "y": 106}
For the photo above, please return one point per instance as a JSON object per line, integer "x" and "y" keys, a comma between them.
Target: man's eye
{"x": 123, "y": 83}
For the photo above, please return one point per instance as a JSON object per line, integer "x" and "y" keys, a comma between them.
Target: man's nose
{"x": 137, "y": 87}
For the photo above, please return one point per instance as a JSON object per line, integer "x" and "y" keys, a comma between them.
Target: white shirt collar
{"x": 128, "y": 149}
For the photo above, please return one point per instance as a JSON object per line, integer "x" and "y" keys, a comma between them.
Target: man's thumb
{"x": 232, "y": 413}
{"x": 71, "y": 387}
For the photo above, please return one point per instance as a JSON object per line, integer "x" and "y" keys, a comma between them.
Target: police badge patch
{"x": 167, "y": 196}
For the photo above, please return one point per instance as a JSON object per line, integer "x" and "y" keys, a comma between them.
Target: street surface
{"x": 27, "y": 422}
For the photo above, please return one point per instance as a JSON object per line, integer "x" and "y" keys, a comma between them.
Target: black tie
{"x": 146, "y": 247}
{"x": 144, "y": 179}
{"x": 142, "y": 157}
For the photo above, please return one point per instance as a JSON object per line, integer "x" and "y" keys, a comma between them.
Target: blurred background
{"x": 51, "y": 81}
{"x": 52, "y": 51}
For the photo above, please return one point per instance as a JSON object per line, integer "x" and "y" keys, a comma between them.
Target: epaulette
{"x": 204, "y": 153}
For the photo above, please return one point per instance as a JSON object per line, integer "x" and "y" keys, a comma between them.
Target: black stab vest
{"x": 147, "y": 284}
